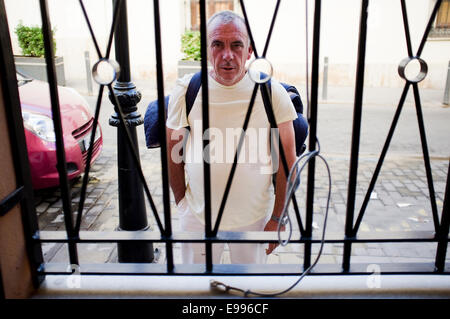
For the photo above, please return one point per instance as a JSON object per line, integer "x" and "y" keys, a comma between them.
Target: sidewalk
{"x": 399, "y": 202}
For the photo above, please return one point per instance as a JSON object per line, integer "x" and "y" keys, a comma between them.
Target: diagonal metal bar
{"x": 395, "y": 120}
{"x": 97, "y": 113}
{"x": 272, "y": 24}
{"x": 381, "y": 158}
{"x": 56, "y": 114}
{"x": 205, "y": 131}
{"x": 162, "y": 134}
{"x": 356, "y": 132}
{"x": 426, "y": 156}
{"x": 406, "y": 27}
{"x": 428, "y": 27}
{"x": 249, "y": 30}
{"x": 121, "y": 115}
{"x": 135, "y": 157}
{"x": 117, "y": 6}
{"x": 91, "y": 31}
{"x": 252, "y": 42}
{"x": 236, "y": 156}
{"x": 88, "y": 161}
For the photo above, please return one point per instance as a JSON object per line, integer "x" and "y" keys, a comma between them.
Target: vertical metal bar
{"x": 312, "y": 119}
{"x": 205, "y": 121}
{"x": 19, "y": 150}
{"x": 162, "y": 134}
{"x": 357, "y": 112}
{"x": 426, "y": 156}
{"x": 60, "y": 151}
{"x": 442, "y": 235}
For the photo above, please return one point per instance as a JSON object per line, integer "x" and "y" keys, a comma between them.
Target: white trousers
{"x": 193, "y": 253}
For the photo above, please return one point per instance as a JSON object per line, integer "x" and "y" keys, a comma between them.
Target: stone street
{"x": 399, "y": 203}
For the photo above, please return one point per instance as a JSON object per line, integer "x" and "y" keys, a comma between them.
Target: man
{"x": 250, "y": 205}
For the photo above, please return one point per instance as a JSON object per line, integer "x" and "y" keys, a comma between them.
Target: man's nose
{"x": 227, "y": 54}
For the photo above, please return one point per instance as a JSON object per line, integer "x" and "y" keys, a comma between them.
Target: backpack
{"x": 151, "y": 124}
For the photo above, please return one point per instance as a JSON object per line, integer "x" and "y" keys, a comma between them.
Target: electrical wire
{"x": 292, "y": 185}
{"x": 247, "y": 293}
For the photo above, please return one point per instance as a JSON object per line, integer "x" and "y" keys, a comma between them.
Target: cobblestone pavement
{"x": 400, "y": 201}
{"x": 399, "y": 204}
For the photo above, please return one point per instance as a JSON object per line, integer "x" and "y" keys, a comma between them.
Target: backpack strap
{"x": 192, "y": 90}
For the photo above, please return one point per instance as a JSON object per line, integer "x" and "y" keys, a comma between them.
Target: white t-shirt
{"x": 251, "y": 194}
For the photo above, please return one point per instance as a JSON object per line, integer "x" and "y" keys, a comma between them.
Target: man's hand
{"x": 272, "y": 226}
{"x": 287, "y": 138}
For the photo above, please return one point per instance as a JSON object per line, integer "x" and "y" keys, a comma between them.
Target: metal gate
{"x": 140, "y": 240}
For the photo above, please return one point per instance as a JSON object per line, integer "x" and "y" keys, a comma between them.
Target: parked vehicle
{"x": 77, "y": 123}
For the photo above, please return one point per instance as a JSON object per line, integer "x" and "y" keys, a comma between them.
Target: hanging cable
{"x": 292, "y": 185}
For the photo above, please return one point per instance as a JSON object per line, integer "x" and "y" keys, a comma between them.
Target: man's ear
{"x": 250, "y": 52}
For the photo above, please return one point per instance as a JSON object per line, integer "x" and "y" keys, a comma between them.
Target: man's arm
{"x": 287, "y": 138}
{"x": 175, "y": 139}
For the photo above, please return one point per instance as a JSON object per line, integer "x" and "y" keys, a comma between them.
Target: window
{"x": 212, "y": 6}
{"x": 442, "y": 23}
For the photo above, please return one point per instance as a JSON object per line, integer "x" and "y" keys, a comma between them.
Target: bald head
{"x": 226, "y": 17}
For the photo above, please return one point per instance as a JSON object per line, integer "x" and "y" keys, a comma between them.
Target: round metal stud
{"x": 413, "y": 69}
{"x": 105, "y": 71}
{"x": 260, "y": 70}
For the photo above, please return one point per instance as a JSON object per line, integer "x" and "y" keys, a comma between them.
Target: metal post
{"x": 447, "y": 87}
{"x": 325, "y": 79}
{"x": 132, "y": 212}
{"x": 87, "y": 62}
{"x": 356, "y": 131}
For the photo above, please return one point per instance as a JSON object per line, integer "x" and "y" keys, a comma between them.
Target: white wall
{"x": 386, "y": 44}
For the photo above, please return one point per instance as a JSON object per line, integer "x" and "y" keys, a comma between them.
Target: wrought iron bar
{"x": 249, "y": 30}
{"x": 236, "y": 237}
{"x": 272, "y": 24}
{"x": 60, "y": 151}
{"x": 442, "y": 235}
{"x": 406, "y": 27}
{"x": 205, "y": 131}
{"x": 97, "y": 109}
{"x": 381, "y": 159}
{"x": 229, "y": 270}
{"x": 162, "y": 134}
{"x": 356, "y": 132}
{"x": 91, "y": 31}
{"x": 88, "y": 162}
{"x": 312, "y": 120}
{"x": 11, "y": 200}
{"x": 428, "y": 27}
{"x": 426, "y": 156}
{"x": 234, "y": 165}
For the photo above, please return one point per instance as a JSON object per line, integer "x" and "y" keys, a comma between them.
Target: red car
{"x": 77, "y": 122}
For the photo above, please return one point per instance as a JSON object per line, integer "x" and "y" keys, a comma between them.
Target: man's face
{"x": 228, "y": 50}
